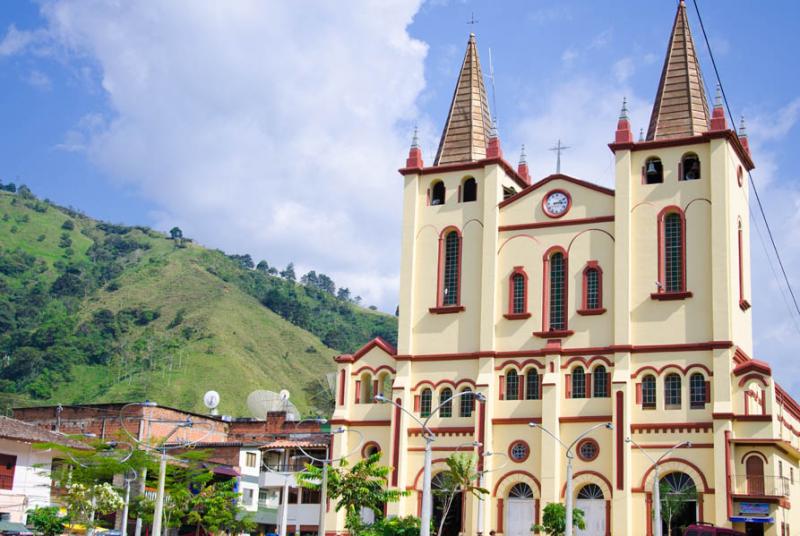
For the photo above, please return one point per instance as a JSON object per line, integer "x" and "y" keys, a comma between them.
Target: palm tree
{"x": 458, "y": 478}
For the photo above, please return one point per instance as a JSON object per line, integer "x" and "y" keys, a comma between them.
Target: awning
{"x": 225, "y": 470}
{"x": 745, "y": 519}
{"x": 9, "y": 527}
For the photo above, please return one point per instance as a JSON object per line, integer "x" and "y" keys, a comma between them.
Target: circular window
{"x": 588, "y": 449}
{"x": 370, "y": 449}
{"x": 740, "y": 176}
{"x": 519, "y": 451}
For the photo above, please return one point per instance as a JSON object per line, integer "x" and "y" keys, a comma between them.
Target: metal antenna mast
{"x": 494, "y": 93}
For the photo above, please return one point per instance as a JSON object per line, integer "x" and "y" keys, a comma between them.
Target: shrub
{"x": 68, "y": 225}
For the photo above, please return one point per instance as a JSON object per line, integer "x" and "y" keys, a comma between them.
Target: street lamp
{"x": 656, "y": 483}
{"x": 430, "y": 437}
{"x": 325, "y": 464}
{"x": 568, "y": 453}
{"x": 481, "y": 483}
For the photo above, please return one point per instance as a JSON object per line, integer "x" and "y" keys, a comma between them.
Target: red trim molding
{"x": 667, "y": 427}
{"x": 446, "y": 310}
{"x": 514, "y": 444}
{"x": 620, "y": 439}
{"x": 556, "y": 176}
{"x": 398, "y": 415}
{"x": 670, "y": 296}
{"x": 368, "y": 445}
{"x": 596, "y": 450}
{"x": 599, "y": 476}
{"x": 346, "y": 422}
{"x": 517, "y": 472}
{"x": 558, "y": 223}
{"x": 377, "y": 341}
{"x": 524, "y": 313}
{"x": 662, "y": 291}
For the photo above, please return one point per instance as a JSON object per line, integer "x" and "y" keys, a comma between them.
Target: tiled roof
{"x": 466, "y": 131}
{"x": 681, "y": 108}
{"x": 30, "y": 433}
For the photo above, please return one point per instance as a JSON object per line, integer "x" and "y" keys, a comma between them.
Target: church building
{"x": 550, "y": 306}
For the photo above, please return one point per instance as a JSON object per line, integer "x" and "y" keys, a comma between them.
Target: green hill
{"x": 96, "y": 312}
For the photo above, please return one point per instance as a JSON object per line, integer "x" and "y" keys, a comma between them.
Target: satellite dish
{"x": 261, "y": 402}
{"x": 211, "y": 401}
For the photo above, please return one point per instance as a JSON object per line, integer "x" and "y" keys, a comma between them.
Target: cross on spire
{"x": 558, "y": 150}
{"x": 472, "y": 20}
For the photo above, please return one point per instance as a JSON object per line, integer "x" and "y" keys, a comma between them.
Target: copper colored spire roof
{"x": 467, "y": 130}
{"x": 681, "y": 107}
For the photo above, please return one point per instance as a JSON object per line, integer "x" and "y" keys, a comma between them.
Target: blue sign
{"x": 744, "y": 519}
{"x": 761, "y": 509}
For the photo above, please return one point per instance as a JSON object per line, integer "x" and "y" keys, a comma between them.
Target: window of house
{"x": 509, "y": 191}
{"x": 518, "y": 305}
{"x": 557, "y": 292}
{"x": 653, "y": 171}
{"x": 470, "y": 190}
{"x": 673, "y": 253}
{"x": 512, "y": 385}
{"x": 672, "y": 391}
{"x": 600, "y": 382}
{"x": 247, "y": 496}
{"x": 697, "y": 391}
{"x": 425, "y": 402}
{"x": 437, "y": 193}
{"x": 250, "y": 459}
{"x": 578, "y": 383}
{"x": 445, "y": 397}
{"x": 532, "y": 384}
{"x": 649, "y": 392}
{"x": 466, "y": 403}
{"x": 690, "y": 167}
{"x": 452, "y": 262}
{"x": 310, "y": 496}
{"x": 8, "y": 463}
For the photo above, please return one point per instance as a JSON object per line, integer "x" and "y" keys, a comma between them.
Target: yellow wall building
{"x": 568, "y": 304}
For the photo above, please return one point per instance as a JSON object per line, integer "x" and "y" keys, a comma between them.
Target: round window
{"x": 519, "y": 451}
{"x": 588, "y": 449}
{"x": 740, "y": 176}
{"x": 370, "y": 449}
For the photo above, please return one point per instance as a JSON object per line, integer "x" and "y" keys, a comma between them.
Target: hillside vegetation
{"x": 96, "y": 312}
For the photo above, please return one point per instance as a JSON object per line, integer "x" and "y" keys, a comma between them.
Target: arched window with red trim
{"x": 555, "y": 272}
{"x": 592, "y": 298}
{"x": 512, "y": 385}
{"x": 671, "y": 254}
{"x": 449, "y": 268}
{"x": 518, "y": 294}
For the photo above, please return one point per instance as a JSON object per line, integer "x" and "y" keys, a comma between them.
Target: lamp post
{"x": 568, "y": 453}
{"x": 323, "y": 499}
{"x": 656, "y": 481}
{"x": 430, "y": 437}
{"x": 481, "y": 483}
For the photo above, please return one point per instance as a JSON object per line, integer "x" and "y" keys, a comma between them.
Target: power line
{"x": 749, "y": 175}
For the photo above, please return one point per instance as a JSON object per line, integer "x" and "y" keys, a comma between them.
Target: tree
{"x": 673, "y": 502}
{"x": 175, "y": 233}
{"x": 364, "y": 485}
{"x": 288, "y": 273}
{"x": 326, "y": 283}
{"x": 47, "y": 521}
{"x": 310, "y": 279}
{"x": 263, "y": 267}
{"x": 459, "y": 477}
{"x": 554, "y": 519}
{"x": 85, "y": 501}
{"x": 343, "y": 294}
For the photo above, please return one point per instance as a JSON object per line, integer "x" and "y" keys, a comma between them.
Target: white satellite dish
{"x": 261, "y": 402}
{"x": 211, "y": 401}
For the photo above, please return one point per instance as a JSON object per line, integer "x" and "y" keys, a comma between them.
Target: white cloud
{"x": 16, "y": 41}
{"x": 269, "y": 128}
{"x": 39, "y": 80}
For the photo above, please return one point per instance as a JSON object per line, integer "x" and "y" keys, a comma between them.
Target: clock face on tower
{"x": 556, "y": 203}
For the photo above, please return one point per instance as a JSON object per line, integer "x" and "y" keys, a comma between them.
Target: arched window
{"x": 672, "y": 255}
{"x": 578, "y": 383}
{"x": 447, "y": 404}
{"x": 649, "y": 392}
{"x": 512, "y": 385}
{"x": 437, "y": 193}
{"x": 532, "y": 384}
{"x": 425, "y": 403}
{"x": 672, "y": 391}
{"x": 469, "y": 190}
{"x": 520, "y": 491}
{"x": 385, "y": 384}
{"x": 591, "y": 491}
{"x": 653, "y": 171}
{"x": 698, "y": 395}
{"x": 556, "y": 293}
{"x": 451, "y": 268}
{"x": 592, "y": 289}
{"x": 600, "y": 382}
{"x": 367, "y": 394}
{"x": 466, "y": 403}
{"x": 690, "y": 167}
{"x": 517, "y": 292}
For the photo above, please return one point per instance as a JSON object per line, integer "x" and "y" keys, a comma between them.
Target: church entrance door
{"x": 592, "y": 502}
{"x": 519, "y": 512}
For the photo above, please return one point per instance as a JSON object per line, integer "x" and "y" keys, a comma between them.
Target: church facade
{"x": 569, "y": 305}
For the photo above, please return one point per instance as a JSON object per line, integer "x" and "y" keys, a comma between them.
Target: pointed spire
{"x": 493, "y": 150}
{"x": 414, "y": 159}
{"x": 522, "y": 167}
{"x": 623, "y": 134}
{"x": 466, "y": 132}
{"x": 681, "y": 107}
{"x": 641, "y": 134}
{"x": 743, "y": 135}
{"x": 718, "y": 121}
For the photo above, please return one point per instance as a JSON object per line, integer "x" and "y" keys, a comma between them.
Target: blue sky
{"x": 277, "y": 129}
